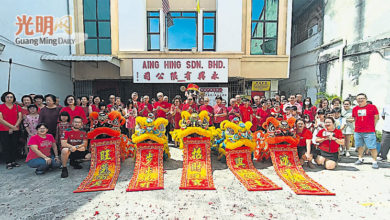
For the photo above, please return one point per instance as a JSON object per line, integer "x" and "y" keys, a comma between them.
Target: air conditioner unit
{"x": 312, "y": 31}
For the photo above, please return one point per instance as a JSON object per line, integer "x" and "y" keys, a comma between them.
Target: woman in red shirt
{"x": 208, "y": 108}
{"x": 329, "y": 140}
{"x": 309, "y": 109}
{"x": 10, "y": 119}
{"x": 304, "y": 145}
{"x": 73, "y": 110}
{"x": 262, "y": 113}
{"x": 276, "y": 111}
{"x": 95, "y": 105}
{"x": 220, "y": 112}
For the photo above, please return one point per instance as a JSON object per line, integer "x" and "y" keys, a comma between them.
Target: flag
{"x": 166, "y": 8}
{"x": 197, "y": 6}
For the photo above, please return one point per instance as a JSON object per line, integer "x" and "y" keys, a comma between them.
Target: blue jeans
{"x": 41, "y": 165}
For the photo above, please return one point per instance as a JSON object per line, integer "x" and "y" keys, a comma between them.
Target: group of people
{"x": 54, "y": 134}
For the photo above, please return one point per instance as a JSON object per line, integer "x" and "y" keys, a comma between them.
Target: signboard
{"x": 261, "y": 85}
{"x": 213, "y": 92}
{"x": 180, "y": 70}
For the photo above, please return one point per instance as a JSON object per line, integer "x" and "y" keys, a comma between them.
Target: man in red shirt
{"x": 208, "y": 108}
{"x": 74, "y": 146}
{"x": 112, "y": 103}
{"x": 145, "y": 107}
{"x": 190, "y": 106}
{"x": 366, "y": 116}
{"x": 262, "y": 113}
{"x": 246, "y": 111}
{"x": 161, "y": 107}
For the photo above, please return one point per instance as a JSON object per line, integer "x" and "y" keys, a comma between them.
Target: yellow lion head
{"x": 237, "y": 134}
{"x": 193, "y": 124}
{"x": 153, "y": 130}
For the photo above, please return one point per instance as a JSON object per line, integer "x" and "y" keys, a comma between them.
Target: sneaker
{"x": 39, "y": 172}
{"x": 14, "y": 164}
{"x": 77, "y": 166}
{"x": 359, "y": 162}
{"x": 380, "y": 159}
{"x": 347, "y": 154}
{"x": 375, "y": 166}
{"x": 64, "y": 172}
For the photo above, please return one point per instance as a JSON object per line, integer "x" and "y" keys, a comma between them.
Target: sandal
{"x": 14, "y": 164}
{"x": 9, "y": 166}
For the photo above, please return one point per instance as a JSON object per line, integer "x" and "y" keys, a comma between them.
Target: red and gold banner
{"x": 148, "y": 170}
{"x": 286, "y": 163}
{"x": 240, "y": 163}
{"x": 197, "y": 172}
{"x": 105, "y": 166}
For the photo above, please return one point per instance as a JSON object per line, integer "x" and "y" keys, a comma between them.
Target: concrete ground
{"x": 361, "y": 193}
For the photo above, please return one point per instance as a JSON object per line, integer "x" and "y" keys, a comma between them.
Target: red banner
{"x": 105, "y": 166}
{"x": 148, "y": 170}
{"x": 240, "y": 163}
{"x": 287, "y": 166}
{"x": 197, "y": 172}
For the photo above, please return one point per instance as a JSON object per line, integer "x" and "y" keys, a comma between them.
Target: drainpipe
{"x": 341, "y": 62}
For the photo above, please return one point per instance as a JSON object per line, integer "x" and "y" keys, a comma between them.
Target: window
{"x": 153, "y": 31}
{"x": 264, "y": 31}
{"x": 97, "y": 26}
{"x": 182, "y": 35}
{"x": 208, "y": 31}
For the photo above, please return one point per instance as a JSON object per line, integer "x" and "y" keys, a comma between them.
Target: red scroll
{"x": 148, "y": 170}
{"x": 197, "y": 172}
{"x": 105, "y": 166}
{"x": 286, "y": 163}
{"x": 240, "y": 163}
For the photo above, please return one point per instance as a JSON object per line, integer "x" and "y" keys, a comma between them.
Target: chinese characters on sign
{"x": 261, "y": 85}
{"x": 180, "y": 70}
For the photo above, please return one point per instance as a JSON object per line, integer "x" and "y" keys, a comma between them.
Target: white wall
{"x": 132, "y": 25}
{"x": 29, "y": 74}
{"x": 229, "y": 25}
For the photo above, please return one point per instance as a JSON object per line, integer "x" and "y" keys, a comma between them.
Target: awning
{"x": 99, "y": 58}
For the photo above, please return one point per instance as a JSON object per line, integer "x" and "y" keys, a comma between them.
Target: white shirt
{"x": 386, "y": 114}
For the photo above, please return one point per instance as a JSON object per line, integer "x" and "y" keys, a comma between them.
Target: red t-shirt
{"x": 193, "y": 107}
{"x": 305, "y": 135}
{"x": 365, "y": 118}
{"x": 219, "y": 109}
{"x": 311, "y": 112}
{"x": 209, "y": 109}
{"x": 246, "y": 113}
{"x": 109, "y": 106}
{"x": 144, "y": 112}
{"x": 95, "y": 108}
{"x": 78, "y": 111}
{"x": 160, "y": 113}
{"x": 263, "y": 115}
{"x": 74, "y": 138}
{"x": 44, "y": 145}
{"x": 9, "y": 115}
{"x": 329, "y": 145}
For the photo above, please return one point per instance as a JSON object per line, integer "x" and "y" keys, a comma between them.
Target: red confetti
{"x": 96, "y": 213}
{"x": 250, "y": 215}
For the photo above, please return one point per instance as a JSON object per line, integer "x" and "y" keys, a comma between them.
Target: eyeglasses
{"x": 190, "y": 99}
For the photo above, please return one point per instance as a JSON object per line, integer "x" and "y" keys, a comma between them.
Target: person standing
{"x": 246, "y": 111}
{"x": 385, "y": 143}
{"x": 49, "y": 114}
{"x": 304, "y": 145}
{"x": 309, "y": 109}
{"x": 10, "y": 119}
{"x": 72, "y": 109}
{"x": 366, "y": 116}
{"x": 349, "y": 125}
{"x": 145, "y": 107}
{"x": 190, "y": 106}
{"x": 262, "y": 114}
{"x": 131, "y": 114}
{"x": 233, "y": 110}
{"x": 220, "y": 112}
{"x": 94, "y": 107}
{"x": 292, "y": 102}
{"x": 112, "y": 102}
{"x": 208, "y": 108}
{"x": 85, "y": 105}
{"x": 161, "y": 107}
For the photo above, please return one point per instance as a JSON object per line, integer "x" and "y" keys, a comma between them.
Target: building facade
{"x": 341, "y": 48}
{"x": 26, "y": 28}
{"x": 142, "y": 46}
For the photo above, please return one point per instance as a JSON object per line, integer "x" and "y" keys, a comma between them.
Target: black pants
{"x": 10, "y": 145}
{"x": 385, "y": 144}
